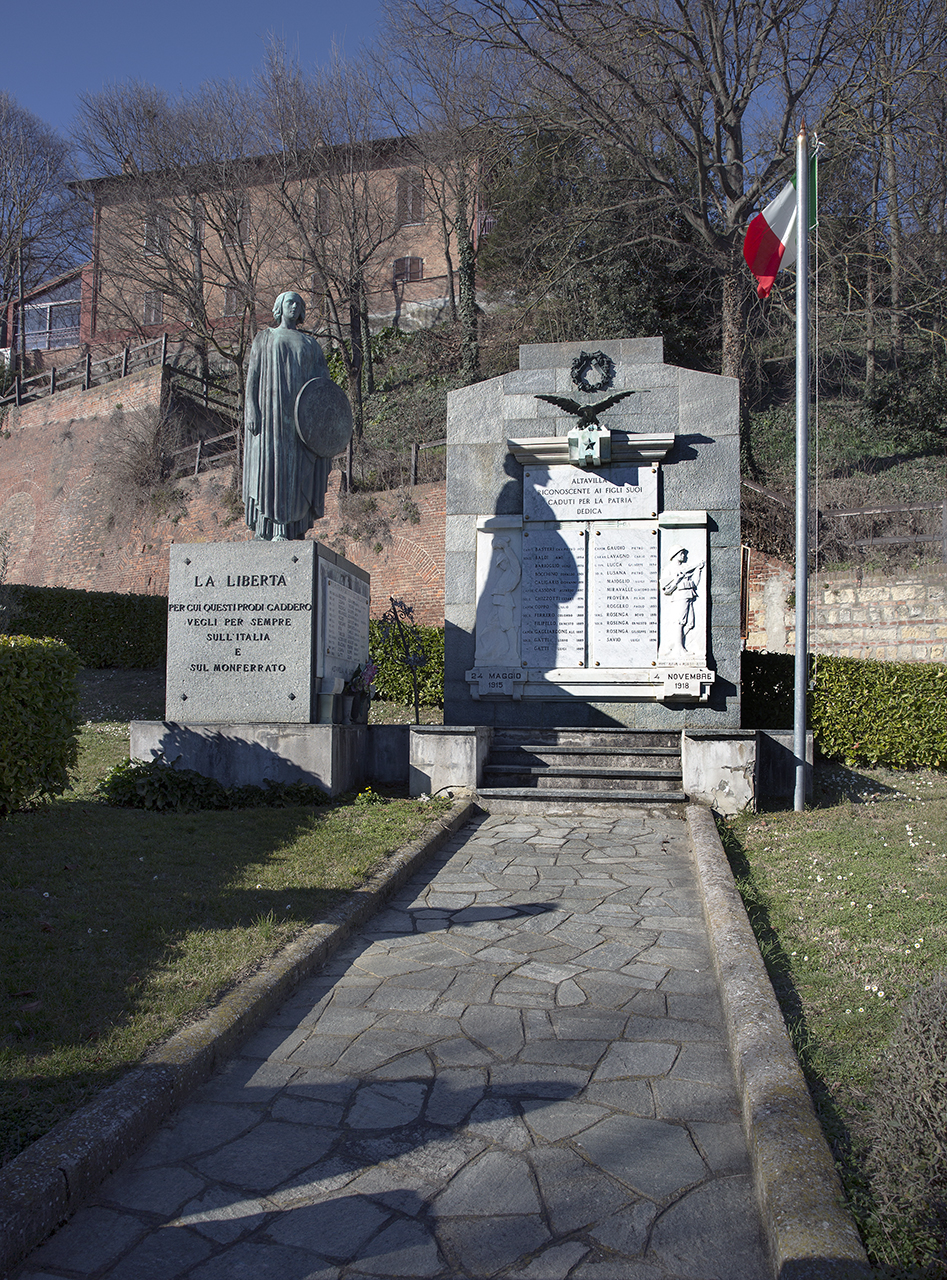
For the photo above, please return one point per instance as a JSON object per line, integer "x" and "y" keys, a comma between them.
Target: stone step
{"x": 544, "y": 781}
{"x": 586, "y": 757}
{"x": 544, "y": 770}
{"x": 593, "y": 739}
{"x": 576, "y": 750}
{"x": 563, "y": 800}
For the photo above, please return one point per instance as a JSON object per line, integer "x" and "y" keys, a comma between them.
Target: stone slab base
{"x": 333, "y": 757}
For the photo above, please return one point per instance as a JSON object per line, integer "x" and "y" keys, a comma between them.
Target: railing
{"x": 940, "y": 537}
{"x": 207, "y": 453}
{"x": 415, "y": 450}
{"x": 204, "y": 391}
{"x": 86, "y": 373}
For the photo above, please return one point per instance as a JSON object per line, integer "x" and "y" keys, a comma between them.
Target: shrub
{"x": 155, "y": 784}
{"x": 892, "y": 713}
{"x": 394, "y": 681}
{"x": 38, "y": 718}
{"x": 105, "y": 628}
{"x": 907, "y": 1159}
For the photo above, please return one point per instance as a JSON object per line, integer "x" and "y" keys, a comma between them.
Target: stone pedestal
{"x": 261, "y": 639}
{"x": 332, "y": 757}
{"x": 258, "y": 631}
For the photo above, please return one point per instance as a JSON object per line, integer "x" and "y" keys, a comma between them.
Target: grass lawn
{"x": 120, "y": 925}
{"x": 849, "y": 904}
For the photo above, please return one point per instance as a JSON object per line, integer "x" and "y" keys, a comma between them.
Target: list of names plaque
{"x": 553, "y": 627}
{"x": 623, "y": 607}
{"x": 346, "y": 629}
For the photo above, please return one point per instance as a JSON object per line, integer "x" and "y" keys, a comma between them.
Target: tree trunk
{"x": 467, "y": 287}
{"x": 732, "y": 319}
{"x": 356, "y": 355}
{"x": 894, "y": 224}
{"x": 367, "y": 348}
{"x": 871, "y": 289}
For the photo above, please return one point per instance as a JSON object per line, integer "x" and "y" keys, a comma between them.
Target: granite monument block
{"x": 259, "y": 631}
{"x": 593, "y": 498}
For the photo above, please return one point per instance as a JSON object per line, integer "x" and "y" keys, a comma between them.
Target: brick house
{"x": 211, "y": 249}
{"x": 58, "y": 320}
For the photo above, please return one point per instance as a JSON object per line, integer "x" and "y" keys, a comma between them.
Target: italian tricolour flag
{"x": 771, "y": 241}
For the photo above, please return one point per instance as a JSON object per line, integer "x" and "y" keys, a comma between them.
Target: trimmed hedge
{"x": 39, "y": 719}
{"x": 861, "y": 711}
{"x": 105, "y": 628}
{"x": 892, "y": 713}
{"x": 393, "y": 682}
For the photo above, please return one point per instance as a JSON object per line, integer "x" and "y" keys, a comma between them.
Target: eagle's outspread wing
{"x": 570, "y": 406}
{"x": 610, "y": 400}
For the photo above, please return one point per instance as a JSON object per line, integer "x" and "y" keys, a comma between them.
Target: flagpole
{"x": 802, "y": 466}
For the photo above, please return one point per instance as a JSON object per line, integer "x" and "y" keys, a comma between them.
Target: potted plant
{"x": 358, "y": 688}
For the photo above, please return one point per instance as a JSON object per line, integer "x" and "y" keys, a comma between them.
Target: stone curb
{"x": 810, "y": 1233}
{"x": 51, "y": 1178}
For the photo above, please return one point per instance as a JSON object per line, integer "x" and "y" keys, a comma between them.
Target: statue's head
{"x": 680, "y": 556}
{"x": 278, "y": 306}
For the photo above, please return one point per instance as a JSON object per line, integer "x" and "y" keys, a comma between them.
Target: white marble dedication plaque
{"x": 623, "y": 604}
{"x": 618, "y": 492}
{"x": 553, "y": 627}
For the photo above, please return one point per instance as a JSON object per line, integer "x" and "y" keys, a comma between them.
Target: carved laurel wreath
{"x": 593, "y": 371}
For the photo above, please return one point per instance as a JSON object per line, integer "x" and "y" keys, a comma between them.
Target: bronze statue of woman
{"x": 286, "y": 463}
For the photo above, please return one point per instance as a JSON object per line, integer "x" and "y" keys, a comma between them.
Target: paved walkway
{"x": 518, "y": 1069}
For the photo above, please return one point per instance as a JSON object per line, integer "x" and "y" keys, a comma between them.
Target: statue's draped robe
{"x": 283, "y": 483}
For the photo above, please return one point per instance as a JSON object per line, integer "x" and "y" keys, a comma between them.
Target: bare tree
{"x": 43, "y": 227}
{"x": 336, "y": 185}
{"x": 446, "y": 98}
{"x": 702, "y": 99}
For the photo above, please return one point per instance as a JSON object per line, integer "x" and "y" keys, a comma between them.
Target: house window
{"x": 51, "y": 322}
{"x": 233, "y": 299}
{"x": 153, "y": 308}
{"x": 236, "y": 221}
{"x": 410, "y": 198}
{"x": 407, "y": 269}
{"x": 157, "y": 233}
{"x": 52, "y": 326}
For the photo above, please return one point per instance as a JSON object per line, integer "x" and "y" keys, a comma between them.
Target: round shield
{"x": 323, "y": 417}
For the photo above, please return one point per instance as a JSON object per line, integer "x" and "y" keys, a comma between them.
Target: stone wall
{"x": 891, "y": 617}
{"x": 74, "y": 522}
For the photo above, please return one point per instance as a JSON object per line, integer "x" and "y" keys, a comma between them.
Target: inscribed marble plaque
{"x": 617, "y": 492}
{"x": 553, "y": 599}
{"x": 623, "y": 607}
{"x": 346, "y": 630}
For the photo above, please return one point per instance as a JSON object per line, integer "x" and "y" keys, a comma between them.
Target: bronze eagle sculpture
{"x": 587, "y": 414}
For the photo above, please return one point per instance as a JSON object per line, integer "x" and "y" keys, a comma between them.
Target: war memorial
{"x": 592, "y": 587}
{"x": 542, "y": 1043}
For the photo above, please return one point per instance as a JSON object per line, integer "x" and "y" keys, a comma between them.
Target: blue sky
{"x": 55, "y": 51}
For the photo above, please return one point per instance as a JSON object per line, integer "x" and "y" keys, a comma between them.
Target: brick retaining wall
{"x": 74, "y": 523}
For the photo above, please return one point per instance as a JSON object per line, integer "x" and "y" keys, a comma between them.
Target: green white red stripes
{"x": 771, "y": 241}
